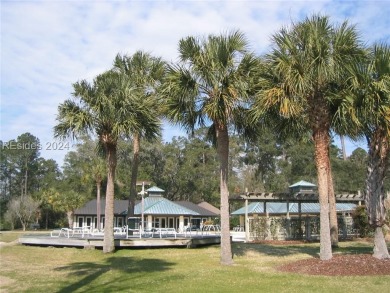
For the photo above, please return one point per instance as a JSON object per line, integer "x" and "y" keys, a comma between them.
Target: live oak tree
{"x": 64, "y": 200}
{"x": 212, "y": 85}
{"x": 24, "y": 209}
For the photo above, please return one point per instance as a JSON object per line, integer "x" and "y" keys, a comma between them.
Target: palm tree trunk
{"x": 334, "y": 229}
{"x": 134, "y": 175}
{"x": 223, "y": 154}
{"x": 108, "y": 244}
{"x": 321, "y": 144}
{"x": 378, "y": 155}
{"x": 98, "y": 205}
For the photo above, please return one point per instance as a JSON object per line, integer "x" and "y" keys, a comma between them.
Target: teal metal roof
{"x": 303, "y": 183}
{"x": 155, "y": 189}
{"x": 162, "y": 206}
{"x": 281, "y": 208}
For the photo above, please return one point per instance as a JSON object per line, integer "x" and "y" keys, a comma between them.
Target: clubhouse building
{"x": 157, "y": 212}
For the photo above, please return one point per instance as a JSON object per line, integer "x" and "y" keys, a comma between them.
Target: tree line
{"x": 185, "y": 168}
{"x": 317, "y": 79}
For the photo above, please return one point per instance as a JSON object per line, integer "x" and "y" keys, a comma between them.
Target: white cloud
{"x": 48, "y": 45}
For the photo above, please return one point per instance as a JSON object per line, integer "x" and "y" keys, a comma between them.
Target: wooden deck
{"x": 89, "y": 242}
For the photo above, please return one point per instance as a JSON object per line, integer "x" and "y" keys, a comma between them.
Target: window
{"x": 89, "y": 221}
{"x": 156, "y": 223}
{"x": 171, "y": 223}
{"x": 80, "y": 221}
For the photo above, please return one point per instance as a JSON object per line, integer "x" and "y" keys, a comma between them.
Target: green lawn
{"x": 9, "y": 236}
{"x": 38, "y": 269}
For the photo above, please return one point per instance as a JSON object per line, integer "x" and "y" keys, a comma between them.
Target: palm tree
{"x": 106, "y": 109}
{"x": 94, "y": 169}
{"x": 212, "y": 84}
{"x": 144, "y": 73}
{"x": 305, "y": 75}
{"x": 372, "y": 87}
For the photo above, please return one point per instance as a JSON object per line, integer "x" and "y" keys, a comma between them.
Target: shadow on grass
{"x": 275, "y": 250}
{"x": 127, "y": 267}
{"x": 313, "y": 250}
{"x": 354, "y": 250}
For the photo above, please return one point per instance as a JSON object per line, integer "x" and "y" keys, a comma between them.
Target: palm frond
{"x": 74, "y": 120}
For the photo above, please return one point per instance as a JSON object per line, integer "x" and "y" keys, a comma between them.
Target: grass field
{"x": 48, "y": 269}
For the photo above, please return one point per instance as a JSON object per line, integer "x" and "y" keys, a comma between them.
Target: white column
{"x": 181, "y": 224}
{"x": 242, "y": 220}
{"x": 288, "y": 210}
{"x": 246, "y": 221}
{"x": 149, "y": 222}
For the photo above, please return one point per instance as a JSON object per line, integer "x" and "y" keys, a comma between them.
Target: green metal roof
{"x": 155, "y": 189}
{"x": 281, "y": 208}
{"x": 162, "y": 206}
{"x": 303, "y": 183}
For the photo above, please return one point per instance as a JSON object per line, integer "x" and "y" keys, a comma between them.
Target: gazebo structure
{"x": 302, "y": 198}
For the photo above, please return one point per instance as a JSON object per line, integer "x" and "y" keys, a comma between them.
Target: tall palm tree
{"x": 145, "y": 74}
{"x": 306, "y": 71}
{"x": 94, "y": 170}
{"x": 372, "y": 87}
{"x": 212, "y": 85}
{"x": 105, "y": 108}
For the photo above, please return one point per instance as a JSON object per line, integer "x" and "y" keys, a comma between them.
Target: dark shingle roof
{"x": 210, "y": 207}
{"x": 90, "y": 207}
{"x": 200, "y": 210}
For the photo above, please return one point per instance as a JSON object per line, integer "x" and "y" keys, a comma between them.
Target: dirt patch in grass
{"x": 280, "y": 242}
{"x": 340, "y": 265}
{"x": 5, "y": 281}
{"x": 9, "y": 243}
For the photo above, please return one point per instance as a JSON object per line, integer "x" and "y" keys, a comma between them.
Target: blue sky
{"x": 48, "y": 45}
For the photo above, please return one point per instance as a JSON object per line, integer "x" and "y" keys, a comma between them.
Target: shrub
{"x": 360, "y": 220}
{"x": 234, "y": 221}
{"x": 258, "y": 228}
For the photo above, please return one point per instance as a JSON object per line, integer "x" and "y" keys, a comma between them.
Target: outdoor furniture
{"x": 67, "y": 232}
{"x": 148, "y": 232}
{"x": 119, "y": 231}
{"x": 166, "y": 232}
{"x": 216, "y": 229}
{"x": 55, "y": 233}
{"x": 238, "y": 228}
{"x": 97, "y": 233}
{"x": 192, "y": 228}
{"x": 82, "y": 231}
